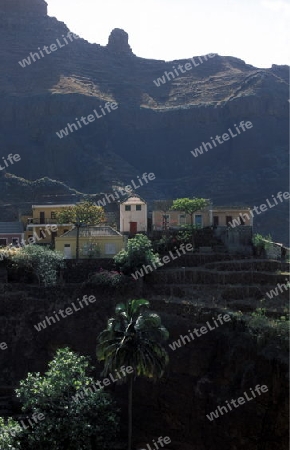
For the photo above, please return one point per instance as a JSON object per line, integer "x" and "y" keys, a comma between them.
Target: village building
{"x": 43, "y": 225}
{"x": 133, "y": 215}
{"x": 11, "y": 233}
{"x": 93, "y": 241}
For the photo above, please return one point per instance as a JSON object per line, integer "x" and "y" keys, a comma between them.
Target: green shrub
{"x": 9, "y": 434}
{"x": 87, "y": 424}
{"x": 107, "y": 278}
{"x": 139, "y": 251}
{"x": 40, "y": 261}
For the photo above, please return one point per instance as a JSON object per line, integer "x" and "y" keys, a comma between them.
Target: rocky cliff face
{"x": 153, "y": 129}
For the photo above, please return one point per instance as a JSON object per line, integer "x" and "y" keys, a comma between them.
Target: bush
{"x": 9, "y": 434}
{"x": 139, "y": 251}
{"x": 40, "y": 261}
{"x": 107, "y": 278}
{"x": 87, "y": 424}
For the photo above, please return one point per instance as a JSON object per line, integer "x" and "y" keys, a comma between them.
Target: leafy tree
{"x": 85, "y": 213}
{"x": 90, "y": 423}
{"x": 164, "y": 206}
{"x": 261, "y": 243}
{"x": 134, "y": 337}
{"x": 190, "y": 206}
{"x": 41, "y": 261}
{"x": 9, "y": 434}
{"x": 138, "y": 252}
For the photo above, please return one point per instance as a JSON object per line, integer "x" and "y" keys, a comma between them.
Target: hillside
{"x": 154, "y": 129}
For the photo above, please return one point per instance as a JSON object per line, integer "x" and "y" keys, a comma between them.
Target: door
{"x": 215, "y": 221}
{"x": 228, "y": 220}
{"x": 133, "y": 227}
{"x": 67, "y": 251}
{"x": 41, "y": 217}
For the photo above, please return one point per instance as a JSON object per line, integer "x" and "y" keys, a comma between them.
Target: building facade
{"x": 94, "y": 242}
{"x": 11, "y": 233}
{"x": 43, "y": 225}
{"x": 207, "y": 217}
{"x": 133, "y": 215}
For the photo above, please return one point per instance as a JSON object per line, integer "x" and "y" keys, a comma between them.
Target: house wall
{"x": 133, "y": 216}
{"x": 41, "y": 229}
{"x": 222, "y": 214}
{"x": 175, "y": 221}
{"x": 9, "y": 237}
{"x": 118, "y": 241}
{"x": 45, "y": 233}
{"x": 49, "y": 211}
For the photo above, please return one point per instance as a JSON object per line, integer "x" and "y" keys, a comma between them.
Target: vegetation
{"x": 164, "y": 206}
{"x": 8, "y": 434}
{"x": 41, "y": 261}
{"x": 190, "y": 206}
{"x": 264, "y": 329}
{"x": 88, "y": 424}
{"x": 261, "y": 242}
{"x": 134, "y": 337}
{"x": 107, "y": 278}
{"x": 85, "y": 213}
{"x": 139, "y": 251}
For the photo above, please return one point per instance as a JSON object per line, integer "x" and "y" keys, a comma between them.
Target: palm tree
{"x": 134, "y": 337}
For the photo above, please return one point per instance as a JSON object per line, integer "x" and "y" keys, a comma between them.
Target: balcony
{"x": 40, "y": 221}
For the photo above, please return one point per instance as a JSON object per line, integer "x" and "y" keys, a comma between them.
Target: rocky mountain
{"x": 50, "y": 78}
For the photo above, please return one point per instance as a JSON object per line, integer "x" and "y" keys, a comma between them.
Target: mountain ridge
{"x": 154, "y": 128}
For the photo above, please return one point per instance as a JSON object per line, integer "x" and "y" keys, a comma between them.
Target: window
{"x": 228, "y": 219}
{"x": 138, "y": 207}
{"x": 127, "y": 207}
{"x": 198, "y": 220}
{"x": 53, "y": 215}
{"x": 15, "y": 241}
{"x": 182, "y": 219}
{"x": 110, "y": 249}
{"x": 3, "y": 242}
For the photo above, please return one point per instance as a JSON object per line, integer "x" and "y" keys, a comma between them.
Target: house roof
{"x": 92, "y": 232}
{"x": 229, "y": 207}
{"x": 11, "y": 227}
{"x": 132, "y": 199}
{"x": 54, "y": 205}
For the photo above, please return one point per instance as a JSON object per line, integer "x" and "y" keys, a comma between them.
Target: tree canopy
{"x": 87, "y": 424}
{"x": 190, "y": 205}
{"x": 84, "y": 213}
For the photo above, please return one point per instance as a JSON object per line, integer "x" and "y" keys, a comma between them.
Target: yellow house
{"x": 94, "y": 242}
{"x": 43, "y": 226}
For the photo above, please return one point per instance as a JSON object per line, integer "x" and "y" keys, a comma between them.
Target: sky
{"x": 256, "y": 31}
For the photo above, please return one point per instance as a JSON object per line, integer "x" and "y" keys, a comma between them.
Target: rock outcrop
{"x": 33, "y": 7}
{"x": 118, "y": 42}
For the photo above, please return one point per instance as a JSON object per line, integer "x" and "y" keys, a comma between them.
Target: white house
{"x": 133, "y": 215}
